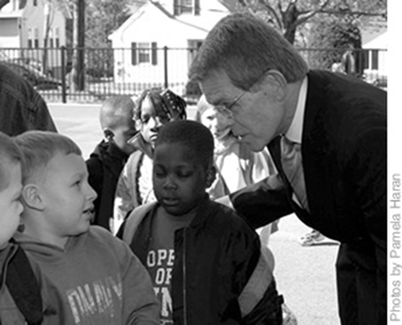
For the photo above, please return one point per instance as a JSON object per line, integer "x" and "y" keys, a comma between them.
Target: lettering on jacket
{"x": 100, "y": 299}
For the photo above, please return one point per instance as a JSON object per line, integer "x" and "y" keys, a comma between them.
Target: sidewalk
{"x": 305, "y": 275}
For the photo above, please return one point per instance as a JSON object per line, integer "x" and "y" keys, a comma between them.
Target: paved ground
{"x": 305, "y": 275}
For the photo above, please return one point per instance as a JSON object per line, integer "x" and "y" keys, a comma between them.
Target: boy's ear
{"x": 108, "y": 133}
{"x": 211, "y": 176}
{"x": 32, "y": 197}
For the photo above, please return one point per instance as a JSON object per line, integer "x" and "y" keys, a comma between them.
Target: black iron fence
{"x": 106, "y": 72}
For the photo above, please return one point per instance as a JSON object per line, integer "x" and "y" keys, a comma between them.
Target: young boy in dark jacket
{"x": 110, "y": 155}
{"x": 207, "y": 265}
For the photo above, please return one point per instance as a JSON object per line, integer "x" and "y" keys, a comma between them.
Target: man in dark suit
{"x": 327, "y": 134}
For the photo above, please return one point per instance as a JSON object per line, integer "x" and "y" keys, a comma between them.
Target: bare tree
{"x": 288, "y": 15}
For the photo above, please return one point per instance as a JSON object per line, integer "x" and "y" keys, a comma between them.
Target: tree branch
{"x": 272, "y": 12}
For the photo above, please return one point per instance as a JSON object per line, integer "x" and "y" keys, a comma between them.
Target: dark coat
{"x": 344, "y": 152}
{"x": 214, "y": 257}
{"x": 104, "y": 167}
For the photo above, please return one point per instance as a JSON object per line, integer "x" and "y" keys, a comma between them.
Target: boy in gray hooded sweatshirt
{"x": 92, "y": 277}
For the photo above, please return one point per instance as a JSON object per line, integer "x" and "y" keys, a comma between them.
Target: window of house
{"x": 365, "y": 55}
{"x": 30, "y": 42}
{"x": 374, "y": 59}
{"x": 36, "y": 37}
{"x": 57, "y": 37}
{"x": 186, "y": 7}
{"x": 143, "y": 53}
{"x": 35, "y": 2}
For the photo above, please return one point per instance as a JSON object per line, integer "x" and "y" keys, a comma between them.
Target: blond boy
{"x": 93, "y": 277}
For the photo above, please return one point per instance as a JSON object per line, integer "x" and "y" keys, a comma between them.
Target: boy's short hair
{"x": 192, "y": 134}
{"x": 114, "y": 111}
{"x": 10, "y": 154}
{"x": 39, "y": 147}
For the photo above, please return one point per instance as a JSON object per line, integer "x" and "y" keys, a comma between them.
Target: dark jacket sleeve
{"x": 22, "y": 107}
{"x": 268, "y": 310}
{"x": 263, "y": 202}
{"x": 257, "y": 297}
{"x": 42, "y": 120}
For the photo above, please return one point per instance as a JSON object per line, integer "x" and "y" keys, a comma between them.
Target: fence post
{"x": 165, "y": 52}
{"x": 63, "y": 75}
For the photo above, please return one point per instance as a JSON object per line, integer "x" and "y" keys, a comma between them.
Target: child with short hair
{"x": 11, "y": 209}
{"x": 154, "y": 108}
{"x": 21, "y": 301}
{"x": 206, "y": 263}
{"x": 110, "y": 155}
{"x": 10, "y": 189}
{"x": 92, "y": 276}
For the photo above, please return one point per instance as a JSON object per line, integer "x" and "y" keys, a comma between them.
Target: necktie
{"x": 291, "y": 160}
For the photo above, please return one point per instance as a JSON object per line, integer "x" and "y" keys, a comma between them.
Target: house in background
{"x": 152, "y": 48}
{"x": 375, "y": 45}
{"x": 22, "y": 31}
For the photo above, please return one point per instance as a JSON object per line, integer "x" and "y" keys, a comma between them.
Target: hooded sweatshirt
{"x": 95, "y": 279}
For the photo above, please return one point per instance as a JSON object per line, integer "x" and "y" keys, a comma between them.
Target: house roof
{"x": 18, "y": 13}
{"x": 199, "y": 24}
{"x": 374, "y": 38}
{"x": 13, "y": 14}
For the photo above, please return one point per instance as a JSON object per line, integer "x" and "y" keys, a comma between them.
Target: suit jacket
{"x": 344, "y": 145}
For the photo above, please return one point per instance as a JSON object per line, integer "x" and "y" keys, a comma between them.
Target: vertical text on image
{"x": 395, "y": 265}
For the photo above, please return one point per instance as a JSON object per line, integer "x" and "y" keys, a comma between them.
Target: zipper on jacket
{"x": 184, "y": 279}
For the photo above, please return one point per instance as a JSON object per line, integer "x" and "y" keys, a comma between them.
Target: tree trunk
{"x": 78, "y": 71}
{"x": 289, "y": 18}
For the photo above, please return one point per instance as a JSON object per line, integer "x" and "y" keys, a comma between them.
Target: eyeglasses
{"x": 225, "y": 110}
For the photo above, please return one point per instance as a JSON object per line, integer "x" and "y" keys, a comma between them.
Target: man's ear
{"x": 211, "y": 176}
{"x": 275, "y": 82}
{"x": 32, "y": 197}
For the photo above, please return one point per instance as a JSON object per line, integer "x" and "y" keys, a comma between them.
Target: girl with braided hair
{"x": 153, "y": 109}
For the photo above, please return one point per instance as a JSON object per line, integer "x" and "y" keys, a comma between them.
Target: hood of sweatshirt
{"x": 48, "y": 252}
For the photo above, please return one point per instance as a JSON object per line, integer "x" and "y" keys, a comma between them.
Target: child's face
{"x": 152, "y": 119}
{"x": 67, "y": 198}
{"x": 179, "y": 181}
{"x": 216, "y": 123}
{"x": 10, "y": 206}
{"x": 124, "y": 132}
